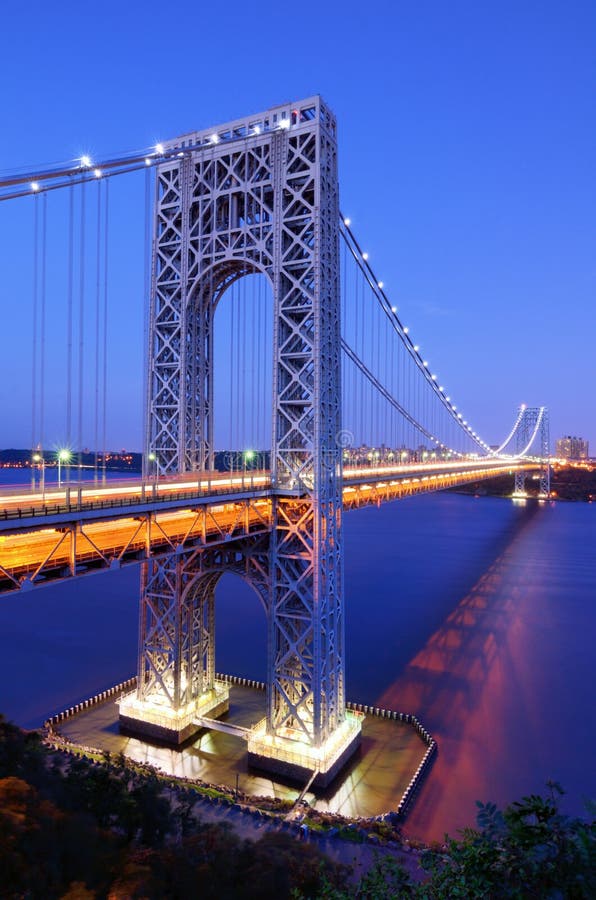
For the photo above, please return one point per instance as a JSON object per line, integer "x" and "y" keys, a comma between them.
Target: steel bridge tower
{"x": 533, "y": 422}
{"x": 257, "y": 195}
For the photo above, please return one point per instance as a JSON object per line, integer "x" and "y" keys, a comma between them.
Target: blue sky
{"x": 467, "y": 147}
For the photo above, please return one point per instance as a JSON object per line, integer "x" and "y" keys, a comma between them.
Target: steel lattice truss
{"x": 267, "y": 203}
{"x": 177, "y": 646}
{"x": 533, "y": 422}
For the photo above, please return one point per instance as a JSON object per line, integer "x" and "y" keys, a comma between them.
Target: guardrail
{"x": 140, "y": 499}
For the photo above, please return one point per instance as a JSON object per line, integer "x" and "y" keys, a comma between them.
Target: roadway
{"x": 76, "y": 529}
{"x": 91, "y": 501}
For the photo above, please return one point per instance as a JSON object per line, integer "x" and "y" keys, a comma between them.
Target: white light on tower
{"x": 159, "y": 149}
{"x": 34, "y": 186}
{"x": 86, "y": 162}
{"x": 97, "y": 173}
{"x": 347, "y": 222}
{"x": 365, "y": 256}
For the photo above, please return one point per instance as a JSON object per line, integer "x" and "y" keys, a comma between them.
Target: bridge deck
{"x": 77, "y": 530}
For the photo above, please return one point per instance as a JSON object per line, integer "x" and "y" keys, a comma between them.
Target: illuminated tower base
{"x": 176, "y": 684}
{"x": 150, "y": 718}
{"x": 286, "y": 754}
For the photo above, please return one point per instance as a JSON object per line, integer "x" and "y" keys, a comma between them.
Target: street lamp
{"x": 39, "y": 460}
{"x": 152, "y": 458}
{"x": 64, "y": 456}
{"x": 247, "y": 457}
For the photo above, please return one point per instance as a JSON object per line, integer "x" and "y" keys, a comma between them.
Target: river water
{"x": 477, "y": 614}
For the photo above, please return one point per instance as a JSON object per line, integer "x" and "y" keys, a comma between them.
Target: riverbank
{"x": 109, "y": 827}
{"x": 573, "y": 482}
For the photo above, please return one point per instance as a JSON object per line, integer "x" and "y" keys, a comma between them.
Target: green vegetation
{"x": 71, "y": 827}
{"x": 528, "y": 851}
{"x": 80, "y": 829}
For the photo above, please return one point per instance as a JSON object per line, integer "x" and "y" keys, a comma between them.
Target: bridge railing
{"x": 92, "y": 498}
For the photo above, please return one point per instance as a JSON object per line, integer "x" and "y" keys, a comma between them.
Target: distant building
{"x": 569, "y": 447}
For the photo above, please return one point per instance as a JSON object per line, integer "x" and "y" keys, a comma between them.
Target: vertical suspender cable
{"x": 244, "y": 352}
{"x": 147, "y": 262}
{"x": 364, "y": 438}
{"x": 420, "y": 405}
{"x": 392, "y": 339}
{"x": 105, "y": 333}
{"x": 34, "y": 334}
{"x": 386, "y": 407}
{"x": 236, "y": 359}
{"x": 42, "y": 329}
{"x": 343, "y": 296}
{"x": 254, "y": 353}
{"x": 97, "y": 324}
{"x": 260, "y": 350}
{"x": 354, "y": 279}
{"x": 378, "y": 404}
{"x": 409, "y": 406}
{"x": 230, "y": 373}
{"x": 250, "y": 351}
{"x": 69, "y": 304}
{"x": 402, "y": 387}
{"x": 81, "y": 331}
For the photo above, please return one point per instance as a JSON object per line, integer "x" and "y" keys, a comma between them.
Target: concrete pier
{"x": 371, "y": 784}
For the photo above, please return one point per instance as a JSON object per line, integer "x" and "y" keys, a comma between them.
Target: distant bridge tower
{"x": 533, "y": 423}
{"x": 258, "y": 195}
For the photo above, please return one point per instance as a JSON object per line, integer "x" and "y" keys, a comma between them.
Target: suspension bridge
{"x": 270, "y": 345}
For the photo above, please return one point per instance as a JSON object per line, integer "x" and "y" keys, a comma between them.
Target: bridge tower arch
{"x": 261, "y": 195}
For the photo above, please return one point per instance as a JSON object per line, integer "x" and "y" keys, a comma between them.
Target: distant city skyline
{"x": 572, "y": 447}
{"x": 466, "y": 148}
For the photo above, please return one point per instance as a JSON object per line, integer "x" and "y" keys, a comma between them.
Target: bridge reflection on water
{"x": 499, "y": 680}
